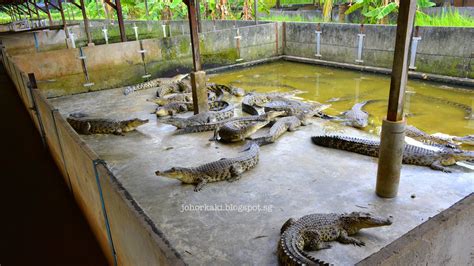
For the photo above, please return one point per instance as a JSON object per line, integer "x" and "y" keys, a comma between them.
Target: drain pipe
{"x": 106, "y": 37}
{"x": 360, "y": 37}
{"x": 318, "y": 40}
{"x": 237, "y": 44}
{"x": 414, "y": 45}
{"x": 135, "y": 29}
{"x": 83, "y": 58}
{"x": 392, "y": 143}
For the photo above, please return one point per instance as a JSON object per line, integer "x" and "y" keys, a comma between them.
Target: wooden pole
{"x": 46, "y": 6}
{"x": 86, "y": 21}
{"x": 392, "y": 141}
{"x": 118, "y": 8}
{"x": 194, "y": 34}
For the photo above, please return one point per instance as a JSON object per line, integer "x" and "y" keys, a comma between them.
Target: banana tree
{"x": 377, "y": 11}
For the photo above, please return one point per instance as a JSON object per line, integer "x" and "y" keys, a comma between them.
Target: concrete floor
{"x": 40, "y": 222}
{"x": 294, "y": 178}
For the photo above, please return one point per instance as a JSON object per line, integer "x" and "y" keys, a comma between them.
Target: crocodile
{"x": 352, "y": 96}
{"x": 83, "y": 124}
{"x": 177, "y": 97}
{"x": 180, "y": 107}
{"x": 229, "y": 169}
{"x": 295, "y": 107}
{"x": 312, "y": 232}
{"x": 284, "y": 124}
{"x": 467, "y": 140}
{"x": 142, "y": 86}
{"x": 240, "y": 130}
{"x": 173, "y": 87}
{"x": 215, "y": 125}
{"x": 436, "y": 160}
{"x": 252, "y": 101}
{"x": 419, "y": 135}
{"x": 356, "y": 117}
{"x": 202, "y": 118}
{"x": 235, "y": 91}
{"x": 153, "y": 83}
{"x": 469, "y": 115}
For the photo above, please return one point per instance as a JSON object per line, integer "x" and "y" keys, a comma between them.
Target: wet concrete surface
{"x": 294, "y": 178}
{"x": 40, "y": 223}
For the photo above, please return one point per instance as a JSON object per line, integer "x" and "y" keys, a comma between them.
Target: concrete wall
{"x": 121, "y": 226}
{"x": 60, "y": 71}
{"x": 21, "y": 43}
{"x": 446, "y": 239}
{"x": 443, "y": 51}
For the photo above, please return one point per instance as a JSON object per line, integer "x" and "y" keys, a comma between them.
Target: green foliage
{"x": 449, "y": 18}
{"x": 290, "y": 18}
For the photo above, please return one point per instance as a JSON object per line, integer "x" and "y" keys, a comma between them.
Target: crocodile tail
{"x": 290, "y": 251}
{"x": 361, "y": 146}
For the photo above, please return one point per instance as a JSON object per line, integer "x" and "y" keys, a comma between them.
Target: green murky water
{"x": 320, "y": 84}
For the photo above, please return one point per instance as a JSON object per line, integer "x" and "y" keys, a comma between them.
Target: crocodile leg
{"x": 236, "y": 171}
{"x": 315, "y": 242}
{"x": 215, "y": 137}
{"x": 287, "y": 224}
{"x": 84, "y": 129}
{"x": 118, "y": 132}
{"x": 436, "y": 165}
{"x": 345, "y": 239}
{"x": 201, "y": 182}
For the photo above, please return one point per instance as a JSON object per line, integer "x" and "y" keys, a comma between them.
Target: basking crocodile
{"x": 467, "y": 109}
{"x": 173, "y": 87}
{"x": 467, "y": 140}
{"x": 202, "y": 118}
{"x": 154, "y": 83}
{"x": 177, "y": 97}
{"x": 356, "y": 117}
{"x": 295, "y": 107}
{"x": 229, "y": 169}
{"x": 252, "y": 101}
{"x": 142, "y": 86}
{"x": 426, "y": 138}
{"x": 437, "y": 160}
{"x": 181, "y": 107}
{"x": 284, "y": 124}
{"x": 311, "y": 232}
{"x": 218, "y": 124}
{"x": 235, "y": 91}
{"x": 86, "y": 125}
{"x": 240, "y": 130}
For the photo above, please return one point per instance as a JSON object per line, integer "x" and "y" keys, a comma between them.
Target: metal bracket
{"x": 360, "y": 48}
{"x": 414, "y": 46}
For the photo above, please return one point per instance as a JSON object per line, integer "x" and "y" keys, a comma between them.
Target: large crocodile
{"x": 142, "y": 86}
{"x": 356, "y": 117}
{"x": 235, "y": 91}
{"x": 215, "y": 125}
{"x": 467, "y": 109}
{"x": 311, "y": 232}
{"x": 467, "y": 140}
{"x": 154, "y": 83}
{"x": 240, "y": 130}
{"x": 202, "y": 118}
{"x": 284, "y": 124}
{"x": 86, "y": 125}
{"x": 229, "y": 169}
{"x": 181, "y": 107}
{"x": 253, "y": 101}
{"x": 419, "y": 135}
{"x": 295, "y": 107}
{"x": 437, "y": 160}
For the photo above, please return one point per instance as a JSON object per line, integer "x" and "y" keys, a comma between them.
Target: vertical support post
{"x": 135, "y": 29}
{"x": 414, "y": 46}
{"x": 360, "y": 46}
{"x": 35, "y": 37}
{"x": 255, "y": 7}
{"x": 118, "y": 8}
{"x": 198, "y": 15}
{"x": 33, "y": 85}
{"x": 106, "y": 37}
{"x": 237, "y": 44}
{"x": 63, "y": 17}
{"x": 86, "y": 23}
{"x": 392, "y": 142}
{"x": 318, "y": 40}
{"x": 46, "y": 6}
{"x": 142, "y": 53}
{"x": 198, "y": 77}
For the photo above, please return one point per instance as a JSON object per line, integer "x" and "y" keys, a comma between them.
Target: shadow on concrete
{"x": 40, "y": 223}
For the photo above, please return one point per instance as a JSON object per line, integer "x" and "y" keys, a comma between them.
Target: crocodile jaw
{"x": 178, "y": 173}
{"x": 358, "y": 220}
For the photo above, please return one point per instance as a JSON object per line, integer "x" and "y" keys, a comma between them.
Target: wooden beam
{"x": 194, "y": 34}
{"x": 406, "y": 16}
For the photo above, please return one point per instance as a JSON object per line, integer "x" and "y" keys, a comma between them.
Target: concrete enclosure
{"x": 131, "y": 216}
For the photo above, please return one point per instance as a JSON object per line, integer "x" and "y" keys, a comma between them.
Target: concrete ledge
{"x": 416, "y": 75}
{"x": 445, "y": 239}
